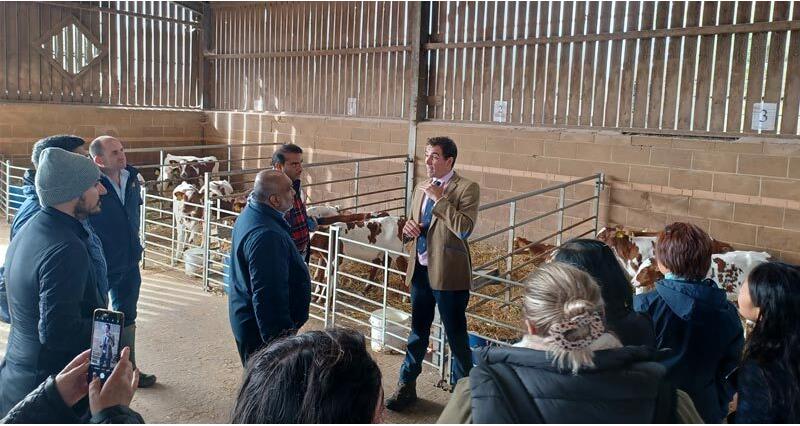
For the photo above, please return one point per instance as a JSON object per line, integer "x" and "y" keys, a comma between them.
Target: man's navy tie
{"x": 427, "y": 215}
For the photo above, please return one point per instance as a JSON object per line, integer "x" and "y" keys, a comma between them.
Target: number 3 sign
{"x": 764, "y": 116}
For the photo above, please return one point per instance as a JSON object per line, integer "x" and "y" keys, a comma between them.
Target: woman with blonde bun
{"x": 567, "y": 368}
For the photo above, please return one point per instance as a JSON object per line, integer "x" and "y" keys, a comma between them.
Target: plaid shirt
{"x": 298, "y": 221}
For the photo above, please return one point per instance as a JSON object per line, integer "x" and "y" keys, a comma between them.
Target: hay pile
{"x": 507, "y": 312}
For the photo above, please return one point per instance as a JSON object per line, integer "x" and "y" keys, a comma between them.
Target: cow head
{"x": 219, "y": 188}
{"x": 647, "y": 276}
{"x": 622, "y": 244}
{"x": 540, "y": 252}
{"x": 189, "y": 195}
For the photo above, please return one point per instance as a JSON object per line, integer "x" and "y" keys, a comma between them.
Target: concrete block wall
{"x": 746, "y": 191}
{"x": 21, "y": 125}
{"x": 323, "y": 139}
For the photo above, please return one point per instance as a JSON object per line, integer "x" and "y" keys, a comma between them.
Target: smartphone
{"x": 106, "y": 334}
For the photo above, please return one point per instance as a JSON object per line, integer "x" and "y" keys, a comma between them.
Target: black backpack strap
{"x": 520, "y": 406}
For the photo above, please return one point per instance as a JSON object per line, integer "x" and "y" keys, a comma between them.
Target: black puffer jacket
{"x": 52, "y": 294}
{"x": 521, "y": 385}
{"x": 44, "y": 405}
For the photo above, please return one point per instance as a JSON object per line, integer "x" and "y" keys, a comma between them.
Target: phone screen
{"x": 106, "y": 332}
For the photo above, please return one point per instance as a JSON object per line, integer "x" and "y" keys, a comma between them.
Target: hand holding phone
{"x": 118, "y": 388}
{"x": 71, "y": 382}
{"x": 106, "y": 334}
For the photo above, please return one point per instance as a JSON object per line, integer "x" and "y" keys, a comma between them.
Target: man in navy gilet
{"x": 118, "y": 228}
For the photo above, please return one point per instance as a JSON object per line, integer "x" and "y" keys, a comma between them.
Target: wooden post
{"x": 206, "y": 82}
{"x": 417, "y": 71}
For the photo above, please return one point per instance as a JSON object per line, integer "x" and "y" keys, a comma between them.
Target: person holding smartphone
{"x": 50, "y": 282}
{"x": 54, "y": 399}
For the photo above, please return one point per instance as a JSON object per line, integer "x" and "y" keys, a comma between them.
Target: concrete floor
{"x": 184, "y": 338}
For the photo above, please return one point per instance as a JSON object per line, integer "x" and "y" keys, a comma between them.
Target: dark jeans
{"x": 247, "y": 347}
{"x": 452, "y": 308}
{"x": 124, "y": 290}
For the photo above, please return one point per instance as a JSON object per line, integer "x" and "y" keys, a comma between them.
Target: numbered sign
{"x": 500, "y": 111}
{"x": 764, "y": 116}
{"x": 352, "y": 106}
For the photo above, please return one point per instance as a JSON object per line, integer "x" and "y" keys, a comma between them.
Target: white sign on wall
{"x": 500, "y": 111}
{"x": 352, "y": 106}
{"x": 764, "y": 116}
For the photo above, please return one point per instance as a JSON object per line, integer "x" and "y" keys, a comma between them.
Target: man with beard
{"x": 289, "y": 160}
{"x": 51, "y": 284}
{"x": 31, "y": 206}
{"x": 269, "y": 285}
{"x": 118, "y": 228}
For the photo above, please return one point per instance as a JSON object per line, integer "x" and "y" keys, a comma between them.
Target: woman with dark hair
{"x": 315, "y": 377}
{"x": 694, "y": 320}
{"x": 769, "y": 375}
{"x": 597, "y": 259}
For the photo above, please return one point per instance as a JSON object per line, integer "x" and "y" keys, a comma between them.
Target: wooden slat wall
{"x": 606, "y": 65}
{"x": 311, "y": 57}
{"x": 150, "y": 62}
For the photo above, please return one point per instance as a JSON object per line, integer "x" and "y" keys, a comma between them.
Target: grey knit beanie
{"x": 63, "y": 176}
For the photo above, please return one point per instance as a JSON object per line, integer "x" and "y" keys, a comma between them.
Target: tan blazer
{"x": 454, "y": 217}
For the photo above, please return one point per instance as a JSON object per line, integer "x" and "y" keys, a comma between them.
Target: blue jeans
{"x": 124, "y": 291}
{"x": 452, "y": 311}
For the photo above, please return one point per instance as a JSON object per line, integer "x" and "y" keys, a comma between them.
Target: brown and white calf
{"x": 728, "y": 270}
{"x": 188, "y": 209}
{"x": 540, "y": 252}
{"x": 385, "y": 233}
{"x": 184, "y": 167}
{"x": 631, "y": 247}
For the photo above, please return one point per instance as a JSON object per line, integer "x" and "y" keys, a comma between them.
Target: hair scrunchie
{"x": 559, "y": 331}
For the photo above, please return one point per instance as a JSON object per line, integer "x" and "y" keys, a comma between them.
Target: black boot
{"x": 403, "y": 396}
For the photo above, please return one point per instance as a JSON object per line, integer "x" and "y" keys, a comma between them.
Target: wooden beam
{"x": 194, "y": 6}
{"x": 319, "y": 52}
{"x": 758, "y": 27}
{"x": 636, "y": 130}
{"x": 206, "y": 82}
{"x": 78, "y": 6}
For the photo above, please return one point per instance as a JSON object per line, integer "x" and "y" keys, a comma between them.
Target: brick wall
{"x": 746, "y": 192}
{"x": 21, "y": 125}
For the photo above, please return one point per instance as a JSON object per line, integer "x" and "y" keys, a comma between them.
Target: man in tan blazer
{"x": 444, "y": 210}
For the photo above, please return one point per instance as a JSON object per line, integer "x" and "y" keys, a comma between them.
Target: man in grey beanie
{"x": 30, "y": 207}
{"x": 51, "y": 284}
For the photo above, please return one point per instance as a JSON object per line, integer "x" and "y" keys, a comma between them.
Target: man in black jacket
{"x": 118, "y": 228}
{"x": 269, "y": 284}
{"x": 51, "y": 285}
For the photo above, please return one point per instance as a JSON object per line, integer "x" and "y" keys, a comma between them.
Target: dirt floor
{"x": 184, "y": 338}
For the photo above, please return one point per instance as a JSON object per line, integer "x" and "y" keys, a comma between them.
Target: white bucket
{"x": 193, "y": 262}
{"x": 376, "y": 321}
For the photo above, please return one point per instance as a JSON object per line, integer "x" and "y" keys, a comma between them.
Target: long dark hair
{"x": 315, "y": 377}
{"x": 774, "y": 288}
{"x": 596, "y": 258}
